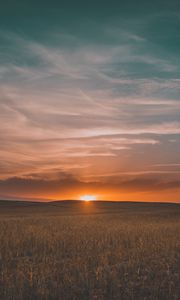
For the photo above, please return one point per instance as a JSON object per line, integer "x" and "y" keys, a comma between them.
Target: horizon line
{"x": 48, "y": 201}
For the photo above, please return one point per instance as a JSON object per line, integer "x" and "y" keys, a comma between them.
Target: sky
{"x": 90, "y": 100}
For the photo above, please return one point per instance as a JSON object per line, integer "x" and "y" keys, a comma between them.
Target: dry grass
{"x": 105, "y": 254}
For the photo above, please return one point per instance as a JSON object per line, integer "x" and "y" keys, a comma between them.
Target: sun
{"x": 88, "y": 198}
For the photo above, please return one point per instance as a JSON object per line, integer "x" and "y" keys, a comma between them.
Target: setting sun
{"x": 88, "y": 198}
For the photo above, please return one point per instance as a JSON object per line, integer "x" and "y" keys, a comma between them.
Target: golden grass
{"x": 124, "y": 254}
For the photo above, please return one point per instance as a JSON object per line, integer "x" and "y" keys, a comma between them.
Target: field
{"x": 85, "y": 251}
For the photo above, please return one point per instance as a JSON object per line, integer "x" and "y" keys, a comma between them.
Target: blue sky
{"x": 89, "y": 99}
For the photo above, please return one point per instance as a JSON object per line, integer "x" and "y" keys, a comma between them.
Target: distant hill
{"x": 72, "y": 207}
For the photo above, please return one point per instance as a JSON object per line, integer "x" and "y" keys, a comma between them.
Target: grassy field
{"x": 78, "y": 251}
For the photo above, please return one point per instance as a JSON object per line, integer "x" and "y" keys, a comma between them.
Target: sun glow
{"x": 88, "y": 198}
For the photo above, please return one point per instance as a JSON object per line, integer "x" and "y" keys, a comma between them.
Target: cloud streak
{"x": 74, "y": 108}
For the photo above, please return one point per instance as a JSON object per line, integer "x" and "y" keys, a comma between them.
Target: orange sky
{"x": 70, "y": 188}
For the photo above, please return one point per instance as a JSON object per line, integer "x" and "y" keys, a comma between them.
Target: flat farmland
{"x": 73, "y": 250}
